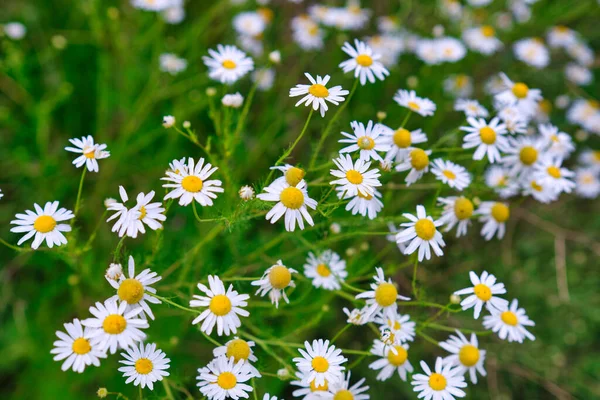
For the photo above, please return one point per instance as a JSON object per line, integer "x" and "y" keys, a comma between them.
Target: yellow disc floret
{"x": 437, "y": 381}
{"x": 292, "y": 198}
{"x": 226, "y": 380}
{"x": 463, "y": 208}
{"x": 81, "y": 346}
{"x": 354, "y": 177}
{"x": 509, "y": 318}
{"x": 449, "y": 174}
{"x": 321, "y": 388}
{"x": 44, "y": 224}
{"x": 483, "y": 292}
{"x": 143, "y": 366}
{"x": 238, "y": 349}
{"x": 192, "y": 184}
{"x": 386, "y": 294}
{"x": 229, "y": 64}
{"x": 220, "y": 305}
{"x": 318, "y": 90}
{"x": 488, "y": 31}
{"x": 294, "y": 175}
{"x": 520, "y": 90}
{"x": 553, "y": 171}
{"x": 364, "y": 60}
{"x": 131, "y": 291}
{"x": 365, "y": 143}
{"x": 468, "y": 355}
{"x": 419, "y": 159}
{"x": 343, "y": 394}
{"x": 500, "y": 212}
{"x": 280, "y": 277}
{"x": 114, "y": 324}
{"x": 320, "y": 364}
{"x": 528, "y": 155}
{"x": 425, "y": 229}
{"x": 323, "y": 270}
{"x": 487, "y": 135}
{"x": 402, "y": 138}
{"x": 399, "y": 358}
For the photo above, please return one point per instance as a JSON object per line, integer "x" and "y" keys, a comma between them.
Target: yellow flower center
{"x": 294, "y": 175}
{"x": 114, "y": 324}
{"x": 419, "y": 159}
{"x": 386, "y": 294}
{"x": 365, "y": 143}
{"x": 131, "y": 291}
{"x": 520, "y": 90}
{"x": 488, "y": 135}
{"x": 536, "y": 186}
{"x": 488, "y": 31}
{"x": 280, "y": 277}
{"x": 143, "y": 366}
{"x": 461, "y": 81}
{"x": 322, "y": 270}
{"x": 463, "y": 208}
{"x": 318, "y": 90}
{"x": 399, "y": 358}
{"x": 546, "y": 106}
{"x": 437, "y": 381}
{"x": 226, "y": 380}
{"x": 395, "y": 325}
{"x": 343, "y": 394}
{"x": 292, "y": 198}
{"x": 500, "y": 212}
{"x": 509, "y": 318}
{"x": 238, "y": 349}
{"x": 597, "y": 155}
{"x": 562, "y": 28}
{"x": 413, "y": 106}
{"x": 365, "y": 196}
{"x": 229, "y": 64}
{"x": 468, "y": 355}
{"x": 90, "y": 154}
{"x": 354, "y": 177}
{"x": 266, "y": 13}
{"x": 528, "y": 155}
{"x": 220, "y": 305}
{"x": 483, "y": 292}
{"x": 192, "y": 184}
{"x": 320, "y": 364}
{"x": 321, "y": 388}
{"x": 449, "y": 174}
{"x": 44, "y": 224}
{"x": 81, "y": 346}
{"x": 402, "y": 138}
{"x": 554, "y": 172}
{"x": 364, "y": 60}
{"x": 143, "y": 213}
{"x": 425, "y": 229}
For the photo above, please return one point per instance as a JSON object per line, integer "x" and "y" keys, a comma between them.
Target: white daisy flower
{"x": 307, "y": 33}
{"x": 410, "y": 100}
{"x": 189, "y": 183}
{"x": 532, "y": 52}
{"x": 309, "y": 390}
{"x": 498, "y": 178}
{"x": 351, "y": 17}
{"x": 90, "y": 152}
{"x": 509, "y": 323}
{"x": 522, "y": 155}
{"x": 454, "y": 175}
{"x": 239, "y": 349}
{"x": 249, "y": 23}
{"x": 126, "y": 219}
{"x": 274, "y": 281}
{"x": 560, "y": 143}
{"x": 389, "y": 46}
{"x": 401, "y": 142}
{"x": 144, "y": 365}
{"x": 428, "y": 51}
{"x": 367, "y": 141}
{"x": 543, "y": 193}
{"x": 482, "y": 39}
{"x": 136, "y": 290}
{"x": 494, "y": 216}
{"x": 457, "y": 211}
{"x": 174, "y": 15}
{"x": 466, "y": 354}
{"x": 113, "y": 327}
{"x": 168, "y": 121}
{"x": 264, "y": 78}
{"x": 471, "y": 108}
{"x": 321, "y": 362}
{"x": 169, "y": 62}
{"x": 582, "y": 110}
{"x": 399, "y": 325}
{"x": 292, "y": 202}
{"x": 590, "y": 158}
{"x": 422, "y": 233}
{"x": 561, "y": 36}
{"x": 152, "y": 5}
{"x": 354, "y": 177}
{"x": 488, "y": 138}
{"x": 227, "y": 64}
{"x": 582, "y": 53}
{"x": 14, "y": 30}
{"x": 76, "y": 348}
{"x": 417, "y": 162}
{"x": 233, "y": 100}
{"x": 392, "y": 359}
{"x": 44, "y": 223}
{"x": 549, "y": 171}
{"x": 317, "y": 93}
{"x": 444, "y": 382}
{"x": 367, "y": 206}
{"x": 223, "y": 378}
{"x": 483, "y": 293}
{"x": 357, "y": 316}
{"x": 364, "y": 62}
{"x": 383, "y": 296}
{"x": 578, "y": 74}
{"x": 291, "y": 175}
{"x": 518, "y": 94}
{"x": 246, "y": 193}
{"x": 588, "y": 183}
{"x": 341, "y": 390}
{"x": 326, "y": 270}
{"x": 459, "y": 85}
{"x": 450, "y": 49}
{"x": 113, "y": 272}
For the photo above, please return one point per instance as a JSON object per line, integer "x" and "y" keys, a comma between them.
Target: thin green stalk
{"x": 10, "y": 246}
{"x": 406, "y": 118}
{"x": 414, "y": 278}
{"x": 118, "y": 249}
{"x": 337, "y": 335}
{"x": 77, "y": 203}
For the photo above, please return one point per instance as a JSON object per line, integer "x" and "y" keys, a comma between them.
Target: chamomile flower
{"x": 317, "y": 93}
{"x": 421, "y": 233}
{"x": 582, "y": 110}
{"x": 135, "y": 290}
{"x": 392, "y": 359}
{"x": 498, "y": 178}
{"x": 172, "y": 64}
{"x": 14, "y": 30}
{"x": 326, "y": 270}
{"x": 321, "y": 362}
{"x": 454, "y": 175}
{"x": 488, "y": 138}
{"x": 410, "y": 100}
{"x": 227, "y": 64}
{"x": 223, "y": 307}
{"x": 354, "y": 177}
{"x": 543, "y": 193}
{"x": 90, "y": 152}
{"x": 590, "y": 158}
{"x": 518, "y": 94}
{"x": 364, "y": 62}
{"x": 292, "y": 202}
{"x": 274, "y": 281}
{"x": 466, "y": 354}
{"x": 532, "y": 52}
{"x": 494, "y": 215}
{"x": 43, "y": 224}
{"x": 357, "y": 316}
{"x": 249, "y": 23}
{"x": 152, "y": 5}
{"x": 309, "y": 390}
{"x": 239, "y": 349}
{"x": 307, "y": 33}
{"x": 341, "y": 389}
{"x": 509, "y": 323}
{"x": 457, "y": 212}
{"x": 402, "y": 142}
{"x": 383, "y": 296}
{"x": 450, "y": 49}
{"x": 223, "y": 378}
{"x": 560, "y": 143}
{"x": 189, "y": 183}
{"x": 367, "y": 206}
{"x": 144, "y": 365}
{"x": 588, "y": 183}
{"x": 471, "y": 108}
{"x": 126, "y": 219}
{"x": 368, "y": 141}
{"x": 444, "y": 382}
{"x": 417, "y": 163}
{"x": 483, "y": 293}
{"x": 482, "y": 39}
{"x": 460, "y": 85}
{"x": 522, "y": 155}
{"x": 399, "y": 325}
{"x": 114, "y": 272}
{"x": 578, "y": 74}
{"x": 112, "y": 326}
{"x": 549, "y": 171}
{"x": 76, "y": 348}
{"x": 561, "y": 36}
{"x": 246, "y": 193}
{"x": 292, "y": 175}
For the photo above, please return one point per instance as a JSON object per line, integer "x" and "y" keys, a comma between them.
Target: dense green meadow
{"x": 91, "y": 67}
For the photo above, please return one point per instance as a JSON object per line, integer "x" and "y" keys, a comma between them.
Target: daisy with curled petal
{"x": 90, "y": 152}
{"x": 443, "y": 383}
{"x": 354, "y": 177}
{"x": 392, "y": 359}
{"x": 292, "y": 202}
{"x": 400, "y": 325}
{"x": 471, "y": 108}
{"x": 422, "y": 233}
{"x": 144, "y": 365}
{"x": 317, "y": 93}
{"x": 410, "y": 100}
{"x": 560, "y": 143}
{"x": 151, "y": 214}
{"x": 342, "y": 390}
{"x": 509, "y": 323}
{"x": 483, "y": 293}
{"x": 518, "y": 94}
{"x": 223, "y": 307}
{"x": 136, "y": 290}
{"x": 466, "y": 354}
{"x": 321, "y": 362}
{"x": 383, "y": 296}
{"x": 367, "y": 206}
{"x": 494, "y": 215}
{"x": 127, "y": 219}
{"x": 487, "y": 137}
{"x": 367, "y": 141}
{"x": 227, "y": 64}
{"x": 326, "y": 270}
{"x": 223, "y": 378}
{"x": 454, "y": 175}
{"x": 401, "y": 142}
{"x": 113, "y": 326}
{"x": 190, "y": 183}
{"x": 76, "y": 348}
{"x": 239, "y": 349}
{"x": 550, "y": 172}
{"x": 364, "y": 62}
{"x": 417, "y": 162}
{"x": 544, "y": 193}
{"x": 44, "y": 223}
{"x": 457, "y": 211}
{"x": 498, "y": 178}
{"x": 274, "y": 281}
{"x": 522, "y": 155}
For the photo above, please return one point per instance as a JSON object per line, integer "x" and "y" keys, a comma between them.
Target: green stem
{"x": 337, "y": 335}
{"x": 205, "y": 219}
{"x": 10, "y": 246}
{"x": 118, "y": 249}
{"x": 406, "y": 118}
{"x": 414, "y": 278}
{"x": 80, "y": 190}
